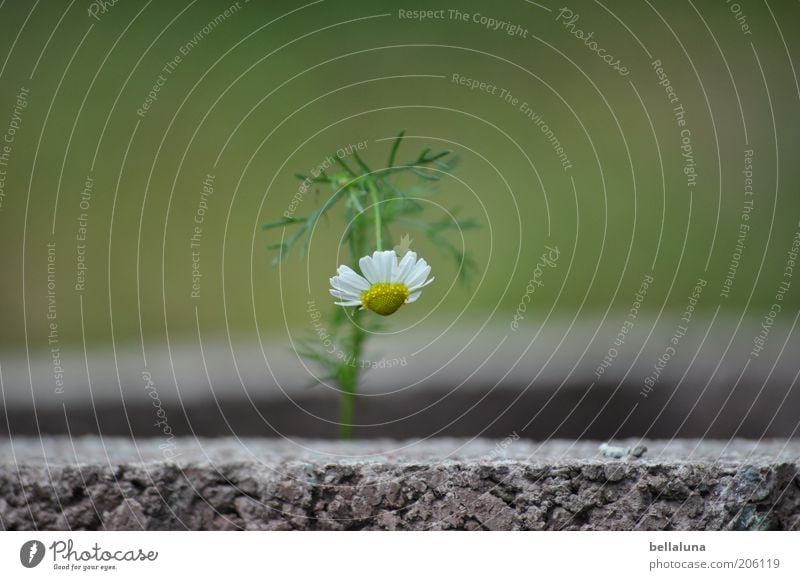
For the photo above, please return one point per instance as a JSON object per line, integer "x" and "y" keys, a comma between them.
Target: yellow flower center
{"x": 385, "y": 298}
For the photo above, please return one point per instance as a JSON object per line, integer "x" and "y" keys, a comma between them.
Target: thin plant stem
{"x": 349, "y": 376}
{"x": 376, "y": 208}
{"x": 356, "y": 204}
{"x": 347, "y": 403}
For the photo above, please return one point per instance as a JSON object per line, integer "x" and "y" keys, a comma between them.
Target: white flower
{"x": 387, "y": 283}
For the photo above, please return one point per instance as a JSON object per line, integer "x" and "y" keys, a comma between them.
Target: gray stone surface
{"x": 88, "y": 483}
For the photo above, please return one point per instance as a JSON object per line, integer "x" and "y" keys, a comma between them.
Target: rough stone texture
{"x": 90, "y": 483}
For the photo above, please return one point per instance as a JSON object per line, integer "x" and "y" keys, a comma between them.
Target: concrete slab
{"x": 58, "y": 483}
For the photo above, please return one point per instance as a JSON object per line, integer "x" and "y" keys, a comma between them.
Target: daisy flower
{"x": 387, "y": 283}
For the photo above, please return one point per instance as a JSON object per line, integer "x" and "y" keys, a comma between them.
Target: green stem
{"x": 347, "y": 412}
{"x": 377, "y": 209}
{"x": 348, "y": 378}
{"x": 356, "y": 204}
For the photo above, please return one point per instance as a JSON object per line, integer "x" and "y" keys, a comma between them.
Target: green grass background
{"x": 349, "y": 72}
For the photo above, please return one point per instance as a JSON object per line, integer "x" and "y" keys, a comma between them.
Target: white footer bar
{"x": 389, "y": 555}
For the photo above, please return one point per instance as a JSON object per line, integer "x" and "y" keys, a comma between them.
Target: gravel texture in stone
{"x": 88, "y": 483}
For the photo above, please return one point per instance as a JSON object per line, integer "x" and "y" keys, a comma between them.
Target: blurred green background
{"x": 272, "y": 88}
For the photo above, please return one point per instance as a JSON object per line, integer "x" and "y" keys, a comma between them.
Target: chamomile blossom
{"x": 387, "y": 282}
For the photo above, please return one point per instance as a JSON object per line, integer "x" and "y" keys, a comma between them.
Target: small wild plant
{"x": 373, "y": 204}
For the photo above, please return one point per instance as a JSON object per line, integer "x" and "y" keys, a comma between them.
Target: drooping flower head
{"x": 387, "y": 282}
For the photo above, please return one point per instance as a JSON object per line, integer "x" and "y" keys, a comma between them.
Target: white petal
{"x": 369, "y": 269}
{"x": 342, "y": 295}
{"x": 349, "y": 275}
{"x": 393, "y": 264}
{"x": 344, "y": 289}
{"x": 341, "y": 285}
{"x": 420, "y": 265}
{"x": 404, "y": 267}
{"x": 350, "y": 284}
{"x": 385, "y": 264}
{"x": 418, "y": 274}
{"x": 420, "y": 286}
{"x": 413, "y": 297}
{"x": 349, "y": 303}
